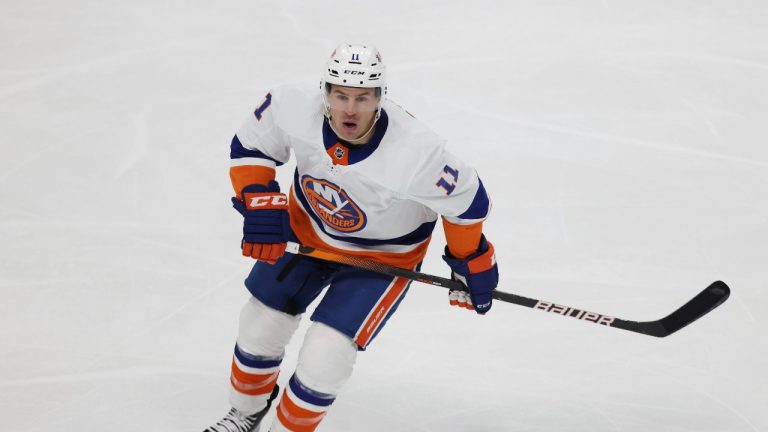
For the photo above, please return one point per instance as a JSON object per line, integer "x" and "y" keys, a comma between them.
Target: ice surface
{"x": 623, "y": 144}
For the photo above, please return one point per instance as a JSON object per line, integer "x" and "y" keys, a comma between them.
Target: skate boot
{"x": 235, "y": 421}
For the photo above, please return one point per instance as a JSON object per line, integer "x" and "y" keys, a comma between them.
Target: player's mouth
{"x": 349, "y": 126}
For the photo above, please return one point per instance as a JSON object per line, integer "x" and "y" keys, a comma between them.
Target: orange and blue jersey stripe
{"x": 249, "y": 167}
{"x": 310, "y": 233}
{"x": 463, "y": 238}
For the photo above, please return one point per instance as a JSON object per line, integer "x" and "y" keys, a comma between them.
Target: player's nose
{"x": 351, "y": 108}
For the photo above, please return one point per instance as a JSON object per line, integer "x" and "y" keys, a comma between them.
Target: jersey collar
{"x": 351, "y": 154}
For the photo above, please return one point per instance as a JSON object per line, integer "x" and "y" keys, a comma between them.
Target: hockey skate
{"x": 235, "y": 421}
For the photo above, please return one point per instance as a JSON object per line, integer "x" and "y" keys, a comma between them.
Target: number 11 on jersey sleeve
{"x": 448, "y": 179}
{"x": 263, "y": 107}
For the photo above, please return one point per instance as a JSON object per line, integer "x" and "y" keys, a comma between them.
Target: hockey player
{"x": 370, "y": 182}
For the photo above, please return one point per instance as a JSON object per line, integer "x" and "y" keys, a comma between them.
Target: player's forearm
{"x": 462, "y": 240}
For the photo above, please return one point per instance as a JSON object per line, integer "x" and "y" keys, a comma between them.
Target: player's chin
{"x": 349, "y": 129}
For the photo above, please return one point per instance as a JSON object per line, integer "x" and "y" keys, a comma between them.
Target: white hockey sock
{"x": 261, "y": 341}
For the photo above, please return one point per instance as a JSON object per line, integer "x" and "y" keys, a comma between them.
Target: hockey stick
{"x": 704, "y": 302}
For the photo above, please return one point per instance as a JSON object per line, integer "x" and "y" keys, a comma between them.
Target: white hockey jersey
{"x": 379, "y": 200}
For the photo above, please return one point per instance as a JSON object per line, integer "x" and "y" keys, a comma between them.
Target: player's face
{"x": 352, "y": 110}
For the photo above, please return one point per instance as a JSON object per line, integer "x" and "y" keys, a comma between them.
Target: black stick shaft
{"x": 707, "y": 300}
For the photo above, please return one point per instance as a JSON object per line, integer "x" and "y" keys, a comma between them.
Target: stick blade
{"x": 704, "y": 302}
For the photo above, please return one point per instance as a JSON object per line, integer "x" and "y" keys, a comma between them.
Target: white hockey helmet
{"x": 355, "y": 65}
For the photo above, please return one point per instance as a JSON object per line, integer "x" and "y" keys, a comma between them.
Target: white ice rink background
{"x": 623, "y": 143}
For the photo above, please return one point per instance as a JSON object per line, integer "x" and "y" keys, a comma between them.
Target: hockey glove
{"x": 266, "y": 223}
{"x": 479, "y": 273}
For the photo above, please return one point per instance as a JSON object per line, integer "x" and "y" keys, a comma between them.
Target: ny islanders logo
{"x": 333, "y": 205}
